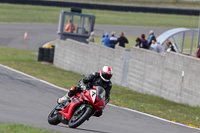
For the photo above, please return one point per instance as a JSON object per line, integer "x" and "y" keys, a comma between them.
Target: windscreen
{"x": 100, "y": 92}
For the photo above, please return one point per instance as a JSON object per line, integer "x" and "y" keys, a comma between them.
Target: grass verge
{"x": 45, "y": 14}
{"x": 19, "y": 128}
{"x": 26, "y": 61}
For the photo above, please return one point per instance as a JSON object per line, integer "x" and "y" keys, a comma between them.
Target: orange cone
{"x": 25, "y": 35}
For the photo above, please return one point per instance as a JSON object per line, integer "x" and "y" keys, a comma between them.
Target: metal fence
{"x": 185, "y": 40}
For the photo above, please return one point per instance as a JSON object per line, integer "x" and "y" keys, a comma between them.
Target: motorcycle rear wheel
{"x": 53, "y": 117}
{"x": 77, "y": 119}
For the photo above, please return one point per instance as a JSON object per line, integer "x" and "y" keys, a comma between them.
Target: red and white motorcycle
{"x": 80, "y": 108}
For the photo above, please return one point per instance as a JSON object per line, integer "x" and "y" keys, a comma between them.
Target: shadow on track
{"x": 82, "y": 129}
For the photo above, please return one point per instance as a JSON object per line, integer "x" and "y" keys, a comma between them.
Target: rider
{"x": 101, "y": 78}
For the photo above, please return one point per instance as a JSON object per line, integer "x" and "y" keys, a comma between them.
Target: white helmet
{"x": 106, "y": 73}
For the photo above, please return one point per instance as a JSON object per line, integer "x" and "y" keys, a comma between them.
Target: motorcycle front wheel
{"x": 53, "y": 117}
{"x": 79, "y": 117}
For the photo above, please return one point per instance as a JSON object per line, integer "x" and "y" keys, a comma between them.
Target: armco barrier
{"x": 127, "y": 8}
{"x": 171, "y": 76}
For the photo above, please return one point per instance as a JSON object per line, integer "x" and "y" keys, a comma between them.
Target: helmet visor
{"x": 106, "y": 76}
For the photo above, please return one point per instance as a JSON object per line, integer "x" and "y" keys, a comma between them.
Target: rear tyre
{"x": 79, "y": 117}
{"x": 53, "y": 117}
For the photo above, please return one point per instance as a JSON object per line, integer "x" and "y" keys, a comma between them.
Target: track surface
{"x": 12, "y": 34}
{"x": 27, "y": 100}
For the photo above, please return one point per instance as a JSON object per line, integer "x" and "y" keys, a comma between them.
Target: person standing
{"x": 113, "y": 40}
{"x": 122, "y": 40}
{"x": 151, "y": 36}
{"x": 91, "y": 38}
{"x": 198, "y": 53}
{"x": 106, "y": 40}
{"x": 156, "y": 47}
{"x": 144, "y": 40}
{"x": 141, "y": 44}
{"x": 170, "y": 47}
{"x": 70, "y": 27}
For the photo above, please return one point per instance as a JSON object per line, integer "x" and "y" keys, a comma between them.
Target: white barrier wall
{"x": 85, "y": 59}
{"x": 173, "y": 76}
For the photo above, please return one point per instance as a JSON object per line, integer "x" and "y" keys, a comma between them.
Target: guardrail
{"x": 146, "y": 9}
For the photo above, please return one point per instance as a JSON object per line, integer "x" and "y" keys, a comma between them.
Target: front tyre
{"x": 79, "y": 117}
{"x": 53, "y": 117}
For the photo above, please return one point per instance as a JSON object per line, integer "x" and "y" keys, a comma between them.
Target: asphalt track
{"x": 12, "y": 34}
{"x": 27, "y": 100}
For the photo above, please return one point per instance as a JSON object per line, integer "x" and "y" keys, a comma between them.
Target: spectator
{"x": 198, "y": 52}
{"x": 156, "y": 47}
{"x": 106, "y": 40}
{"x": 122, "y": 40}
{"x": 170, "y": 47}
{"x": 143, "y": 39}
{"x": 141, "y": 44}
{"x": 113, "y": 40}
{"x": 91, "y": 38}
{"x": 151, "y": 36}
{"x": 70, "y": 27}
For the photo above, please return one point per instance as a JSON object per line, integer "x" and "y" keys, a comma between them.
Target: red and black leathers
{"x": 93, "y": 79}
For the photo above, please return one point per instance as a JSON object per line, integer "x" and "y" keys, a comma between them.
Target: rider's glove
{"x": 83, "y": 87}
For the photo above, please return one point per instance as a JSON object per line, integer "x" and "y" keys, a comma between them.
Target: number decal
{"x": 93, "y": 95}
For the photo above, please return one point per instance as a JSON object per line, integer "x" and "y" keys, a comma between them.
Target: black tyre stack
{"x": 41, "y": 54}
{"x": 46, "y": 54}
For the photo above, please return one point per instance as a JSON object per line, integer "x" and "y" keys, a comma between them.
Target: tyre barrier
{"x": 126, "y": 8}
{"x": 46, "y": 54}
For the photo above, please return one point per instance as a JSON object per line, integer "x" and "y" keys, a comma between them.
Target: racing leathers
{"x": 93, "y": 79}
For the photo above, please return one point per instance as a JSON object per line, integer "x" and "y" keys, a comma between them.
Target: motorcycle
{"x": 79, "y": 109}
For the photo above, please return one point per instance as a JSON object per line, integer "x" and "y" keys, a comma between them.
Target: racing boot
{"x": 63, "y": 99}
{"x": 67, "y": 97}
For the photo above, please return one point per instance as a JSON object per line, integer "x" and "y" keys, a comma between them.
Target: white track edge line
{"x": 156, "y": 117}
{"x": 43, "y": 81}
{"x": 9, "y": 68}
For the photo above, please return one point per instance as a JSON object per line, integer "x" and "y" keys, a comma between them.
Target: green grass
{"x": 19, "y": 128}
{"x": 45, "y": 14}
{"x": 156, "y": 106}
{"x": 26, "y": 61}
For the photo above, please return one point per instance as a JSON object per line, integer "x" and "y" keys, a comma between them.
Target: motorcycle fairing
{"x": 90, "y": 95}
{"x": 69, "y": 110}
